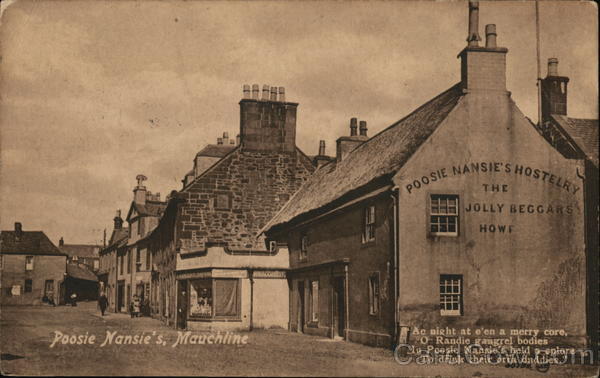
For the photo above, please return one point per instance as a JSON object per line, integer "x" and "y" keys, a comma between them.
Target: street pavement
{"x": 28, "y": 332}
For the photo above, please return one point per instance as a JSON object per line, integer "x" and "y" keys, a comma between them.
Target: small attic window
{"x": 222, "y": 202}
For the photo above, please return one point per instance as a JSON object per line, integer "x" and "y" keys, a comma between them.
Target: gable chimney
{"x": 118, "y": 221}
{"x": 482, "y": 68}
{"x": 321, "y": 158}
{"x": 18, "y": 231}
{"x": 345, "y": 144}
{"x": 554, "y": 92}
{"x": 268, "y": 124}
{"x": 139, "y": 192}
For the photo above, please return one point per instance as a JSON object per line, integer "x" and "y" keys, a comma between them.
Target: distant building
{"x": 32, "y": 269}
{"x": 212, "y": 272}
{"x": 109, "y": 265}
{"x": 82, "y": 254}
{"x": 458, "y": 215}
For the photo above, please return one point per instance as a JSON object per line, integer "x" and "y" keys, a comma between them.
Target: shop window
{"x": 369, "y": 224}
{"x": 314, "y": 301}
{"x": 443, "y": 215}
{"x": 451, "y": 295}
{"x": 374, "y": 294}
{"x": 28, "y": 286}
{"x": 226, "y": 297}
{"x": 201, "y": 300}
{"x": 304, "y": 247}
{"x": 28, "y": 262}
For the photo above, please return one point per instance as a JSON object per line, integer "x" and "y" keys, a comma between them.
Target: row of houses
{"x": 462, "y": 214}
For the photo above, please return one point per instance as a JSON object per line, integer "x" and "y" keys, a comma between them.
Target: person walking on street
{"x": 102, "y": 303}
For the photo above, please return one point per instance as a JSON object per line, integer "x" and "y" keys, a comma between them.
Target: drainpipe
{"x": 347, "y": 300}
{"x": 585, "y": 243}
{"x": 395, "y": 197}
{"x": 251, "y": 276}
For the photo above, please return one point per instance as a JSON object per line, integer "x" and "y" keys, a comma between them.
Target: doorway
{"x": 120, "y": 296}
{"x": 182, "y": 303}
{"x": 301, "y": 306}
{"x": 339, "y": 308}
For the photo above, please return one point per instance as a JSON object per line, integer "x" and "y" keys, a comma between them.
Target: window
{"x": 129, "y": 261}
{"x": 444, "y": 215}
{"x": 214, "y": 298}
{"x": 148, "y": 259}
{"x": 96, "y": 264}
{"x": 138, "y": 260}
{"x": 314, "y": 301}
{"x": 222, "y": 201}
{"x": 28, "y": 262}
{"x": 451, "y": 295}
{"x": 28, "y": 286}
{"x": 304, "y": 247}
{"x": 121, "y": 263}
{"x": 369, "y": 223}
{"x": 374, "y": 294}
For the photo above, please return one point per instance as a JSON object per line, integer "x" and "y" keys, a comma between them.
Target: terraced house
{"x": 212, "y": 270}
{"x": 460, "y": 214}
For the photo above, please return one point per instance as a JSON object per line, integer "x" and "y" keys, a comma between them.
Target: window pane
{"x": 201, "y": 298}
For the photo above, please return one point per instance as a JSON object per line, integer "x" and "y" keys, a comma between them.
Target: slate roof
{"x": 216, "y": 150}
{"x": 380, "y": 156}
{"x": 118, "y": 238}
{"x": 584, "y": 133}
{"x": 30, "y": 243}
{"x": 80, "y": 250}
{"x": 150, "y": 208}
{"x": 80, "y": 272}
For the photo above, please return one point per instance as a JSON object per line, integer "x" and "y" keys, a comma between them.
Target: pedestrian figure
{"x": 73, "y": 299}
{"x": 136, "y": 305}
{"x": 102, "y": 303}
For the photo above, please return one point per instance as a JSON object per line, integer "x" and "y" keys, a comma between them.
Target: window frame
{"x": 431, "y": 214}
{"x": 213, "y": 311}
{"x": 455, "y": 296}
{"x": 312, "y": 300}
{"x": 369, "y": 225}
{"x": 30, "y": 286}
{"x": 28, "y": 263}
{"x": 303, "y": 255}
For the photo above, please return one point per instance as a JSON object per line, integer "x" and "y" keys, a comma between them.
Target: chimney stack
{"x": 219, "y": 141}
{"x": 282, "y": 94}
{"x": 255, "y": 91}
{"x": 321, "y": 148}
{"x": 246, "y": 91}
{"x": 139, "y": 192}
{"x": 353, "y": 126}
{"x": 363, "y": 128}
{"x": 490, "y": 36}
{"x": 118, "y": 221}
{"x": 265, "y": 92}
{"x": 473, "y": 38}
{"x": 554, "y": 92}
{"x": 18, "y": 231}
{"x": 61, "y": 242}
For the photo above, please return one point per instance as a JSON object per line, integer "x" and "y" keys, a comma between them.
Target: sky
{"x": 94, "y": 93}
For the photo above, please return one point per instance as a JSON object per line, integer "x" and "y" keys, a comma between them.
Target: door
{"x": 182, "y": 304}
{"x": 339, "y": 309}
{"x": 49, "y": 289}
{"x": 301, "y": 306}
{"x": 120, "y": 296}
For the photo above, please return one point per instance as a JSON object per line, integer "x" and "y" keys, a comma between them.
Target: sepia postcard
{"x": 299, "y": 188}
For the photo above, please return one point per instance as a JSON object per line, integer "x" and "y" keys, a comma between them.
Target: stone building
{"x": 32, "y": 269}
{"x": 576, "y": 138}
{"x": 135, "y": 261}
{"x": 108, "y": 272}
{"x": 214, "y": 272}
{"x": 82, "y": 254}
{"x": 458, "y": 215}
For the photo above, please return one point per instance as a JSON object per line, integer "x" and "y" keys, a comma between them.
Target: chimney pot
{"x": 473, "y": 38}
{"x": 225, "y": 135}
{"x": 363, "y": 128}
{"x": 219, "y": 141}
{"x": 490, "y": 36}
{"x": 321, "y": 148}
{"x": 552, "y": 67}
{"x": 255, "y": 90}
{"x": 246, "y": 91}
{"x": 273, "y": 93}
{"x": 265, "y": 92}
{"x": 232, "y": 142}
{"x": 353, "y": 126}
{"x": 61, "y": 242}
{"x": 282, "y": 94}
{"x": 237, "y": 139}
